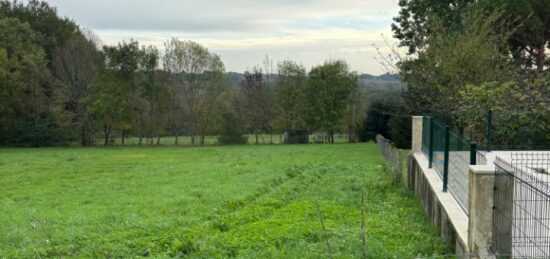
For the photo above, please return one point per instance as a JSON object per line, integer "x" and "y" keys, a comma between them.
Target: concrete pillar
{"x": 416, "y": 134}
{"x": 480, "y": 225}
{"x": 504, "y": 211}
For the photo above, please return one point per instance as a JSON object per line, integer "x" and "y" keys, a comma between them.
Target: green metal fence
{"x": 426, "y": 134}
{"x": 438, "y": 144}
{"x": 450, "y": 154}
{"x": 460, "y": 152}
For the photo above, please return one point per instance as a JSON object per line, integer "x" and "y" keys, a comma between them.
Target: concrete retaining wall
{"x": 441, "y": 208}
{"x": 468, "y": 236}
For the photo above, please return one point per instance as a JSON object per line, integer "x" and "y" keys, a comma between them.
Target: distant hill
{"x": 366, "y": 81}
{"x": 384, "y": 82}
{"x": 235, "y": 78}
{"x": 238, "y": 78}
{"x": 383, "y": 77}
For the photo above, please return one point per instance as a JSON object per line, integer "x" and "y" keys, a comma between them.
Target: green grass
{"x": 210, "y": 202}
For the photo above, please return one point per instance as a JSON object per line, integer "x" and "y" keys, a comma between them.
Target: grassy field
{"x": 209, "y": 202}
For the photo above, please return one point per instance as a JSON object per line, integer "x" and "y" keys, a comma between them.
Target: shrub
{"x": 400, "y": 128}
{"x": 376, "y": 122}
{"x": 230, "y": 130}
{"x": 297, "y": 137}
{"x": 520, "y": 108}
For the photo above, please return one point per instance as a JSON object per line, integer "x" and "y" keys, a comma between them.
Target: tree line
{"x": 465, "y": 57}
{"x": 59, "y": 86}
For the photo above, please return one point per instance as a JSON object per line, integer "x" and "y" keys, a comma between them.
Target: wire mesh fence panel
{"x": 521, "y": 211}
{"x": 459, "y": 163}
{"x": 438, "y": 145}
{"x": 426, "y": 135}
{"x": 393, "y": 157}
{"x": 481, "y": 158}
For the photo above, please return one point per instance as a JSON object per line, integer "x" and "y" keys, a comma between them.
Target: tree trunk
{"x": 271, "y": 136}
{"x": 349, "y": 134}
{"x": 176, "y": 143}
{"x": 83, "y": 141}
{"x": 106, "y": 131}
{"x": 256, "y": 138}
{"x": 202, "y": 140}
{"x": 158, "y": 140}
{"x": 122, "y": 138}
{"x": 140, "y": 139}
{"x": 193, "y": 132}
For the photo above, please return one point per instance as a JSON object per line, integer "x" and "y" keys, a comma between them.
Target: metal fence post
{"x": 489, "y": 130}
{"x": 473, "y": 153}
{"x": 446, "y": 158}
{"x": 431, "y": 144}
{"x": 461, "y": 135}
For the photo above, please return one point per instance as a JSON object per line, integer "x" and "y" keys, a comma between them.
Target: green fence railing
{"x": 450, "y": 154}
{"x": 461, "y": 154}
{"x": 426, "y": 134}
{"x": 438, "y": 143}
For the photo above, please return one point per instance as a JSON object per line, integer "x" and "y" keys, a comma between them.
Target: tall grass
{"x": 214, "y": 202}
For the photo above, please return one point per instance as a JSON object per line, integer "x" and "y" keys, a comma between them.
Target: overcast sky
{"x": 244, "y": 31}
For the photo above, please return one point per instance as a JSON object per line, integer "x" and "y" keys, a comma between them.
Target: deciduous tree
{"x": 198, "y": 80}
{"x": 256, "y": 103}
{"x": 75, "y": 65}
{"x": 290, "y": 97}
{"x": 113, "y": 96}
{"x": 329, "y": 89}
{"x": 26, "y": 88}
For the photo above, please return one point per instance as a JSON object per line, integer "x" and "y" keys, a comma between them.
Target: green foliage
{"x": 376, "y": 122}
{"x": 75, "y": 66}
{"x": 26, "y": 88}
{"x": 52, "y": 30}
{"x": 255, "y": 102}
{"x": 213, "y": 202}
{"x": 230, "y": 130}
{"x": 529, "y": 22}
{"x": 290, "y": 97}
{"x": 400, "y": 130}
{"x": 389, "y": 119}
{"x": 197, "y": 85}
{"x": 330, "y": 86}
{"x": 112, "y": 97}
{"x": 37, "y": 109}
{"x": 489, "y": 58}
{"x": 296, "y": 137}
{"x": 521, "y": 111}
{"x": 467, "y": 50}
{"x": 454, "y": 59}
{"x": 414, "y": 26}
{"x": 154, "y": 99}
{"x": 59, "y": 88}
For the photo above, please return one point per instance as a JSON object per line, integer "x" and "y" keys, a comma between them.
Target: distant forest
{"x": 60, "y": 86}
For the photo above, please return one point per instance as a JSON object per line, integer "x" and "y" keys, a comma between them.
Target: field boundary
{"x": 393, "y": 158}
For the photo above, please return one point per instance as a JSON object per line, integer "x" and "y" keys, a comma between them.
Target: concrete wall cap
{"x": 482, "y": 169}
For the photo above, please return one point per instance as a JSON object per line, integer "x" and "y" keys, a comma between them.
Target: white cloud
{"x": 244, "y": 31}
